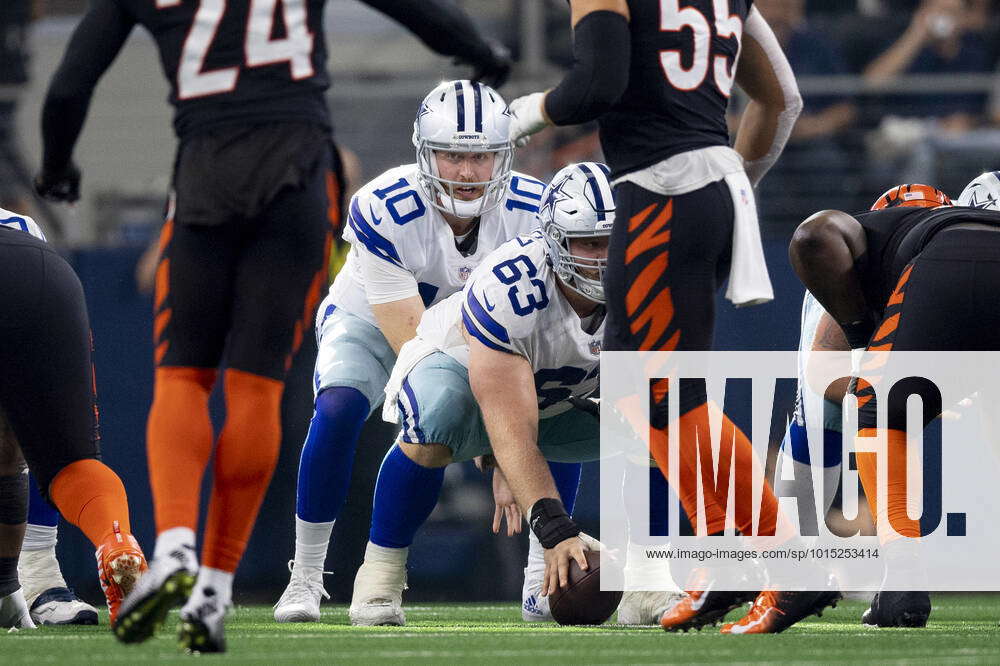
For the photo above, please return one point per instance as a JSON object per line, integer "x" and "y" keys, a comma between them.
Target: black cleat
{"x": 773, "y": 611}
{"x": 898, "y": 609}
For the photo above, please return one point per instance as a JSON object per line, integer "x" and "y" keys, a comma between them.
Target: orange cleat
{"x": 773, "y": 611}
{"x": 697, "y": 609}
{"x": 120, "y": 563}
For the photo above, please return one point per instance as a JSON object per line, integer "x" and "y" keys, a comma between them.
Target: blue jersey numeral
{"x": 527, "y": 188}
{"x": 509, "y": 273}
{"x": 391, "y": 203}
{"x": 567, "y": 375}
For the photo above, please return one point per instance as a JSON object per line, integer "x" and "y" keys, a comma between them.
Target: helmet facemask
{"x": 441, "y": 192}
{"x": 463, "y": 117}
{"x": 584, "y": 275}
{"x": 578, "y": 203}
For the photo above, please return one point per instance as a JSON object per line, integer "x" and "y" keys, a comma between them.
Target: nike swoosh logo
{"x": 489, "y": 306}
{"x": 376, "y": 220}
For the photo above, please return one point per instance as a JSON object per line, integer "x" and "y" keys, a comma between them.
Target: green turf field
{"x": 963, "y": 629}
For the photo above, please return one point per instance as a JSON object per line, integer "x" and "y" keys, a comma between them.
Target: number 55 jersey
{"x": 513, "y": 304}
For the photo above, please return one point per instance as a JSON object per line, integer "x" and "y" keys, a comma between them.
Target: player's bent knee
{"x": 427, "y": 455}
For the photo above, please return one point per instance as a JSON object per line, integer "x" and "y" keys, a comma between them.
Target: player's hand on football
{"x": 529, "y": 117}
{"x": 494, "y": 68}
{"x": 557, "y": 563}
{"x": 506, "y": 506}
{"x": 59, "y": 184}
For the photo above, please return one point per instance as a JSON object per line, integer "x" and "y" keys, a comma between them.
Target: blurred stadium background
{"x": 872, "y": 119}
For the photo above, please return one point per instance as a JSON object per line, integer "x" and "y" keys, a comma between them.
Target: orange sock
{"x": 687, "y": 487}
{"x": 695, "y": 443}
{"x": 179, "y": 443}
{"x": 91, "y": 496}
{"x": 896, "y": 495}
{"x": 244, "y": 462}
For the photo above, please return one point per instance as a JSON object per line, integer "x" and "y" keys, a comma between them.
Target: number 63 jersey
{"x": 513, "y": 304}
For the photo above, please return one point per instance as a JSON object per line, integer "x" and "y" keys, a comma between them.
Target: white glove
{"x": 528, "y": 117}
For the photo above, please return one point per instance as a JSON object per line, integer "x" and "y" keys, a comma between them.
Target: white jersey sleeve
{"x": 385, "y": 282}
{"x": 21, "y": 223}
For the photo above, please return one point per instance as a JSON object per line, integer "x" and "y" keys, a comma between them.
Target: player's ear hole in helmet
{"x": 912, "y": 195}
{"x": 578, "y": 203}
{"x": 982, "y": 192}
{"x": 463, "y": 117}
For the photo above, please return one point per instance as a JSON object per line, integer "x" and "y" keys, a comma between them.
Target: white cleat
{"x": 534, "y": 607}
{"x": 300, "y": 600}
{"x": 378, "y": 588}
{"x": 14, "y": 612}
{"x": 59, "y": 606}
{"x": 203, "y": 623}
{"x": 50, "y": 600}
{"x": 645, "y": 608}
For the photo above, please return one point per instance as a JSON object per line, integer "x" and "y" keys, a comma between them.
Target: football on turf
{"x": 582, "y": 601}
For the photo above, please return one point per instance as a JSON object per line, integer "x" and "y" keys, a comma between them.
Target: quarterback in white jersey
{"x": 416, "y": 234}
{"x": 493, "y": 369}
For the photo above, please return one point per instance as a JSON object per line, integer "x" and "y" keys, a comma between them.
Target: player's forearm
{"x": 96, "y": 41}
{"x": 398, "y": 320}
{"x": 765, "y": 75}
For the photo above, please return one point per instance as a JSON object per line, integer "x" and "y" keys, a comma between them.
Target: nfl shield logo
{"x": 464, "y": 272}
{"x": 595, "y": 347}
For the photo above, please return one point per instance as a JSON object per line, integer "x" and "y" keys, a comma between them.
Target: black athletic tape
{"x": 8, "y": 576}
{"x": 859, "y": 333}
{"x": 550, "y": 522}
{"x": 13, "y": 499}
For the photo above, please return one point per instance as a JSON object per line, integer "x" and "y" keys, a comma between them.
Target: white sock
{"x": 374, "y": 553}
{"x": 536, "y": 554}
{"x": 40, "y": 537}
{"x": 221, "y": 582}
{"x": 311, "y": 543}
{"x": 173, "y": 539}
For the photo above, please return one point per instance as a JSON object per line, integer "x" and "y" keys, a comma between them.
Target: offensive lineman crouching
{"x": 493, "y": 368}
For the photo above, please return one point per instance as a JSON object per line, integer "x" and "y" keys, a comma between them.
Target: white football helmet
{"x": 463, "y": 116}
{"x": 577, "y": 203}
{"x": 983, "y": 192}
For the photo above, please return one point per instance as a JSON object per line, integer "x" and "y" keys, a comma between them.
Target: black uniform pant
{"x": 946, "y": 299}
{"x": 667, "y": 257}
{"x": 46, "y": 375}
{"x": 244, "y": 253}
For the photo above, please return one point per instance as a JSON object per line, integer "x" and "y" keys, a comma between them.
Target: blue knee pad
{"x": 328, "y": 453}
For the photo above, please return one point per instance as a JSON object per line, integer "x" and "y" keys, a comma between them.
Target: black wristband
{"x": 550, "y": 522}
{"x": 858, "y": 333}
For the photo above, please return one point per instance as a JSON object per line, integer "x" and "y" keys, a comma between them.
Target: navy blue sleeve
{"x": 96, "y": 41}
